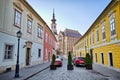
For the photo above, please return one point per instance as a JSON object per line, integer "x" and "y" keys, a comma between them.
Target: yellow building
{"x": 102, "y": 39}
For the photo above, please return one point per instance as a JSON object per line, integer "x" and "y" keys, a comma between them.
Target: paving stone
{"x": 61, "y": 73}
{"x": 79, "y": 73}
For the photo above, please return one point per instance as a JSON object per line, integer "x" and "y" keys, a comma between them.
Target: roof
{"x": 72, "y": 33}
{"x": 108, "y": 7}
{"x": 61, "y": 32}
{"x": 38, "y": 16}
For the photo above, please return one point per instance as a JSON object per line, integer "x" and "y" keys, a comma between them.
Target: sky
{"x": 71, "y": 14}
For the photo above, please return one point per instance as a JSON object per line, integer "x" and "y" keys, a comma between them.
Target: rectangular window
{"x": 87, "y": 41}
{"x": 96, "y": 57}
{"x": 92, "y": 37}
{"x": 97, "y": 35}
{"x": 112, "y": 24}
{"x": 29, "y": 26}
{"x": 50, "y": 40}
{"x": 17, "y": 19}
{"x": 90, "y": 40}
{"x": 103, "y": 30}
{"x": 46, "y": 52}
{"x": 39, "y": 52}
{"x": 40, "y": 32}
{"x": 8, "y": 54}
{"x": 102, "y": 58}
{"x": 110, "y": 59}
{"x": 46, "y": 37}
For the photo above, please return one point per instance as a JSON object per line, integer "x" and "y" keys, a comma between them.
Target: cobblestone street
{"x": 79, "y": 73}
{"x": 36, "y": 36}
{"x": 43, "y": 72}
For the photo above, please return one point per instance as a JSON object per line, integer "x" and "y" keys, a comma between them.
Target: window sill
{"x": 113, "y": 37}
{"x": 17, "y": 26}
{"x": 40, "y": 37}
{"x": 104, "y": 41}
{"x": 97, "y": 42}
{"x": 7, "y": 60}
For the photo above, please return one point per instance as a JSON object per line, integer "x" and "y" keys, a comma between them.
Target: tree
{"x": 88, "y": 61}
{"x": 69, "y": 58}
{"x": 53, "y": 66}
{"x": 69, "y": 66}
{"x": 53, "y": 59}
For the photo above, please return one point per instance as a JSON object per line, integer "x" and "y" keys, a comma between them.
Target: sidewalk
{"x": 25, "y": 72}
{"x": 107, "y": 72}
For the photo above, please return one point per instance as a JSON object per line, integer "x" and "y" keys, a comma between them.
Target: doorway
{"x": 28, "y": 56}
{"x": 49, "y": 57}
{"x": 91, "y": 54}
{"x": 111, "y": 59}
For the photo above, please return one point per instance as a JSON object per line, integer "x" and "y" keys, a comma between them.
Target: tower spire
{"x": 53, "y": 25}
{"x": 53, "y": 19}
{"x": 53, "y": 14}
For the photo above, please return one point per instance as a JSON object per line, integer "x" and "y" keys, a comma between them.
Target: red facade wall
{"x": 49, "y": 45}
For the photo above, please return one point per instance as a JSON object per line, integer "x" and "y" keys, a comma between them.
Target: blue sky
{"x": 72, "y": 14}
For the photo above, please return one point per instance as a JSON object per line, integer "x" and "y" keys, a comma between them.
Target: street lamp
{"x": 19, "y": 35}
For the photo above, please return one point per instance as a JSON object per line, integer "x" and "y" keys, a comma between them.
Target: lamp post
{"x": 19, "y": 35}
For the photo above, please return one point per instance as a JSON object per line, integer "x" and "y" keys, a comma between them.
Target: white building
{"x": 16, "y": 15}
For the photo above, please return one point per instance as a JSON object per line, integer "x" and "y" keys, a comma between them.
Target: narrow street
{"x": 61, "y": 73}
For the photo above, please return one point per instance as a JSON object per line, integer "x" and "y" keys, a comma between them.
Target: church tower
{"x": 53, "y": 25}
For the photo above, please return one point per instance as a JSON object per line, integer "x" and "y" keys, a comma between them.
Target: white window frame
{"x": 29, "y": 26}
{"x": 6, "y": 52}
{"x": 40, "y": 31}
{"x": 46, "y": 37}
{"x": 103, "y": 31}
{"x": 112, "y": 26}
{"x": 17, "y": 18}
{"x": 97, "y": 35}
{"x": 92, "y": 38}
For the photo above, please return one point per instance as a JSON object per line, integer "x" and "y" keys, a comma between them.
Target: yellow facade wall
{"x": 112, "y": 48}
{"x": 109, "y": 45}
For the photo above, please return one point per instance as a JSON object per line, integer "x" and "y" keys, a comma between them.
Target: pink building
{"x": 49, "y": 44}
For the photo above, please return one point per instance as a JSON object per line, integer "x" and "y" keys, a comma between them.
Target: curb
{"x": 36, "y": 73}
{"x": 97, "y": 72}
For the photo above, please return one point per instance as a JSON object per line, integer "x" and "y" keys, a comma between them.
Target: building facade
{"x": 49, "y": 44}
{"x": 66, "y": 40}
{"x": 61, "y": 42}
{"x": 19, "y": 15}
{"x": 102, "y": 39}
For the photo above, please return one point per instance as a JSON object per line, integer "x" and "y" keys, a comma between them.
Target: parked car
{"x": 73, "y": 59}
{"x": 60, "y": 57}
{"x": 79, "y": 61}
{"x": 58, "y": 62}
